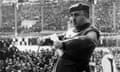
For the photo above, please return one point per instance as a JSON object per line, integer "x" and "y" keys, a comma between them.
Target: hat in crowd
{"x": 79, "y": 6}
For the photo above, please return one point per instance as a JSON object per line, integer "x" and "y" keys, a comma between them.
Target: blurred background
{"x": 23, "y": 21}
{"x": 30, "y": 16}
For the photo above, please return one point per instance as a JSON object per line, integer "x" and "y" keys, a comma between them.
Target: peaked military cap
{"x": 79, "y": 6}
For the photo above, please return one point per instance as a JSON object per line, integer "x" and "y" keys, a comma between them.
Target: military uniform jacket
{"x": 77, "y": 51}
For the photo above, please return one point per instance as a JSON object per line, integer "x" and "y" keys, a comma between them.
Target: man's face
{"x": 78, "y": 18}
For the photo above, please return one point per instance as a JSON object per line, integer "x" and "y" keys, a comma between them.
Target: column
{"x": 0, "y": 13}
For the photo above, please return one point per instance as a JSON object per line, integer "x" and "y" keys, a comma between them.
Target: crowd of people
{"x": 96, "y": 59}
{"x": 29, "y": 62}
{"x": 54, "y": 15}
{"x": 44, "y": 61}
{"x": 53, "y": 20}
{"x": 14, "y": 60}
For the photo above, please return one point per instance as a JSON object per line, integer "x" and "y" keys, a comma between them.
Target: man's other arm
{"x": 91, "y": 38}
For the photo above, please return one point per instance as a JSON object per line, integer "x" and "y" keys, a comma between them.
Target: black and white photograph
{"x": 59, "y": 35}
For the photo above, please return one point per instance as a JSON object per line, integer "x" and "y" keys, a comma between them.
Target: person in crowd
{"x": 108, "y": 62}
{"x": 78, "y": 43}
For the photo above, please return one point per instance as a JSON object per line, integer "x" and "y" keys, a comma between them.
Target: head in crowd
{"x": 79, "y": 14}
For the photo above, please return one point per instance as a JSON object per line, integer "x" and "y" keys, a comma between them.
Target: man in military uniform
{"x": 78, "y": 42}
